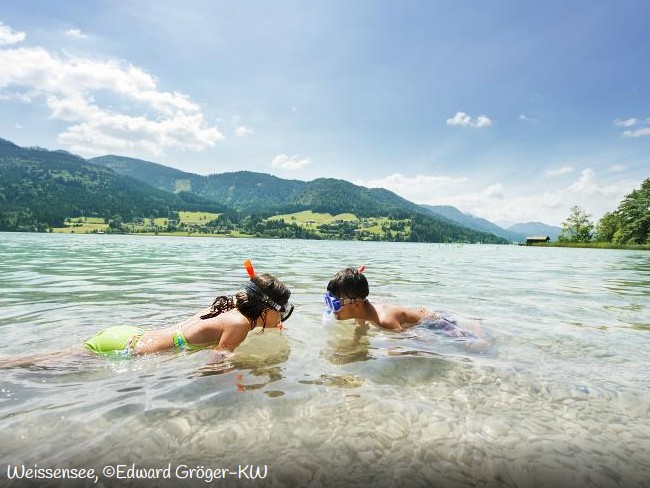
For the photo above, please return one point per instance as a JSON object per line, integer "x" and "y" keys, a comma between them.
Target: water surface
{"x": 561, "y": 399}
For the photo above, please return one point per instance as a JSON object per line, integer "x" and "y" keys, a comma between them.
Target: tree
{"x": 578, "y": 226}
{"x": 630, "y": 222}
{"x": 634, "y": 212}
{"x": 116, "y": 222}
{"x": 608, "y": 226}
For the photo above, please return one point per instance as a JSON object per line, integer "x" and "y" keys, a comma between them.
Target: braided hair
{"x": 251, "y": 305}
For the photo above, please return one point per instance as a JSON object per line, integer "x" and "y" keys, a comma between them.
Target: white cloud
{"x": 552, "y": 200}
{"x": 134, "y": 118}
{"x": 642, "y": 128}
{"x": 559, "y": 171}
{"x": 9, "y": 36}
{"x": 585, "y": 183}
{"x": 494, "y": 191}
{"x": 640, "y": 132}
{"x": 626, "y": 122}
{"x": 461, "y": 119}
{"x": 285, "y": 162}
{"x": 242, "y": 131}
{"x": 512, "y": 202}
{"x": 420, "y": 188}
{"x": 24, "y": 97}
{"x": 75, "y": 34}
{"x": 525, "y": 118}
{"x": 482, "y": 121}
{"x": 617, "y": 168}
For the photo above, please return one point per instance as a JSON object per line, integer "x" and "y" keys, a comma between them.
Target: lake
{"x": 562, "y": 398}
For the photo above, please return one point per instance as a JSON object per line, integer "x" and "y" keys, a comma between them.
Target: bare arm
{"x": 391, "y": 325}
{"x": 232, "y": 337}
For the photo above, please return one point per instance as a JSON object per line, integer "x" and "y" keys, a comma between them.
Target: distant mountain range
{"x": 514, "y": 233}
{"x": 476, "y": 223}
{"x": 536, "y": 229}
{"x": 323, "y": 195}
{"x": 40, "y": 188}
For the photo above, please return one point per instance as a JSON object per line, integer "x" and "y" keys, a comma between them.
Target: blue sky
{"x": 512, "y": 111}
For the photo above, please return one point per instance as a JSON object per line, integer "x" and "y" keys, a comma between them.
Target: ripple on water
{"x": 560, "y": 400}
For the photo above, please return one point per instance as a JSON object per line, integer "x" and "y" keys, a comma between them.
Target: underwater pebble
{"x": 366, "y": 456}
{"x": 315, "y": 438}
{"x": 153, "y": 442}
{"x": 213, "y": 445}
{"x": 437, "y": 430}
{"x": 496, "y": 430}
{"x": 429, "y": 474}
{"x": 295, "y": 475}
{"x": 178, "y": 427}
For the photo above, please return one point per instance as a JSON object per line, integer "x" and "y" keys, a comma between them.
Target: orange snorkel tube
{"x": 249, "y": 268}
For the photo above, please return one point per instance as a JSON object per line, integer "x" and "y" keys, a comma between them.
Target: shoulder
{"x": 389, "y": 316}
{"x": 232, "y": 319}
{"x": 399, "y": 317}
{"x": 394, "y": 311}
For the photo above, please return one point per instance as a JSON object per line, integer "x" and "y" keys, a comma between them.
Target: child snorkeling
{"x": 264, "y": 302}
{"x": 347, "y": 298}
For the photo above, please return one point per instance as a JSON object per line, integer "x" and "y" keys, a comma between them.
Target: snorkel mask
{"x": 334, "y": 304}
{"x": 254, "y": 290}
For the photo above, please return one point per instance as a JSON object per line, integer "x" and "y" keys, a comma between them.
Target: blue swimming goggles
{"x": 332, "y": 303}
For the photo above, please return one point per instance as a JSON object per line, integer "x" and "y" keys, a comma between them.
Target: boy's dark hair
{"x": 349, "y": 283}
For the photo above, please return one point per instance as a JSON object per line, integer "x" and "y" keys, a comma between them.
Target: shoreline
{"x": 579, "y": 245}
{"x": 592, "y": 245}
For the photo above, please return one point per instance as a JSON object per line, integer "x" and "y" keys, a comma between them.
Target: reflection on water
{"x": 560, "y": 399}
{"x": 636, "y": 283}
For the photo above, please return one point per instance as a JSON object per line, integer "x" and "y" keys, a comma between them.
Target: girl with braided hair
{"x": 263, "y": 303}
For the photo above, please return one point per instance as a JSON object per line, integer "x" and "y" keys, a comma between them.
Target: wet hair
{"x": 250, "y": 304}
{"x": 349, "y": 283}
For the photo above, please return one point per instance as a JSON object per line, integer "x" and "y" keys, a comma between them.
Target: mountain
{"x": 41, "y": 188}
{"x": 251, "y": 192}
{"x": 243, "y": 190}
{"x": 154, "y": 174}
{"x": 476, "y": 223}
{"x": 261, "y": 193}
{"x": 536, "y": 229}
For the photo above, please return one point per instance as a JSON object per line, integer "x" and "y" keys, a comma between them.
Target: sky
{"x": 508, "y": 110}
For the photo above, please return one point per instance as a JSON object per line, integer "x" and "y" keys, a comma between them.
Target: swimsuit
{"x": 122, "y": 339}
{"x": 181, "y": 343}
{"x": 445, "y": 324}
{"x": 119, "y": 339}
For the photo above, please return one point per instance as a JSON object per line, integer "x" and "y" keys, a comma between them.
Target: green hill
{"x": 41, "y": 188}
{"x": 251, "y": 192}
{"x": 266, "y": 195}
{"x": 156, "y": 175}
